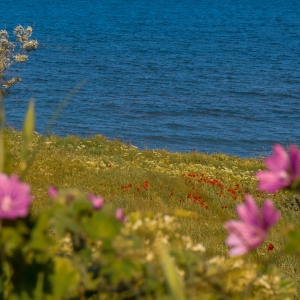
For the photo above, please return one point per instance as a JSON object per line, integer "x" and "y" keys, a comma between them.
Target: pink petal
{"x": 15, "y": 197}
{"x": 271, "y": 182}
{"x": 119, "y": 215}
{"x": 248, "y": 212}
{"x": 279, "y": 161}
{"x": 52, "y": 191}
{"x": 238, "y": 248}
{"x": 269, "y": 215}
{"x": 97, "y": 201}
{"x": 295, "y": 161}
{"x": 244, "y": 236}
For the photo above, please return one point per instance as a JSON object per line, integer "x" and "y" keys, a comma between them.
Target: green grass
{"x": 209, "y": 186}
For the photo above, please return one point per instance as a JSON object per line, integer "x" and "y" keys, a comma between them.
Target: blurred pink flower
{"x": 252, "y": 229}
{"x": 120, "y": 216}
{"x": 284, "y": 169}
{"x": 15, "y": 197}
{"x": 52, "y": 191}
{"x": 97, "y": 201}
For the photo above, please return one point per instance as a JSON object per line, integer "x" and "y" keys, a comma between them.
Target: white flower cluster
{"x": 14, "y": 52}
{"x": 31, "y": 45}
{"x": 23, "y": 34}
{"x": 21, "y": 58}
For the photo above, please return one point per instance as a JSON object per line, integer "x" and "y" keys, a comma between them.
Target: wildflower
{"x": 31, "y": 45}
{"x": 120, "y": 216}
{"x": 252, "y": 228}
{"x": 20, "y": 58}
{"x": 70, "y": 197}
{"x": 15, "y": 197}
{"x": 52, "y": 191}
{"x": 97, "y": 201}
{"x": 270, "y": 247}
{"x": 284, "y": 169}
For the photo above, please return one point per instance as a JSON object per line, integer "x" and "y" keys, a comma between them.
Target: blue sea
{"x": 207, "y": 75}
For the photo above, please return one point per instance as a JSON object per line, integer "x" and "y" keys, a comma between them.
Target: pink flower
{"x": 15, "y": 197}
{"x": 97, "y": 201}
{"x": 252, "y": 229}
{"x": 284, "y": 169}
{"x": 52, "y": 191}
{"x": 120, "y": 216}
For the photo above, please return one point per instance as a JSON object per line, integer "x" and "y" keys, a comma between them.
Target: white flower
{"x": 149, "y": 256}
{"x": 198, "y": 248}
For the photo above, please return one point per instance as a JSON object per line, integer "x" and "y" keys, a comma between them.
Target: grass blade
{"x": 27, "y": 131}
{"x": 2, "y": 120}
{"x": 170, "y": 273}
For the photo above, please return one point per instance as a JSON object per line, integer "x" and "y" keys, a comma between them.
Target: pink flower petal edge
{"x": 15, "y": 197}
{"x": 283, "y": 169}
{"x": 52, "y": 191}
{"x": 248, "y": 212}
{"x": 252, "y": 228}
{"x": 96, "y": 201}
{"x": 120, "y": 216}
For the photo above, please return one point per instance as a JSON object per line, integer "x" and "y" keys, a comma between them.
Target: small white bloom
{"x": 168, "y": 219}
{"x": 137, "y": 224}
{"x": 149, "y": 256}
{"x": 198, "y": 248}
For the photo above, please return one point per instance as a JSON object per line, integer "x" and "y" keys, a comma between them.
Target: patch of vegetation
{"x": 207, "y": 186}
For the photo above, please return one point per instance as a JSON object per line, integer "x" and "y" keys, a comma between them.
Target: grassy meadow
{"x": 207, "y": 186}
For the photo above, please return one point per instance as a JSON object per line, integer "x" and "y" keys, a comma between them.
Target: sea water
{"x": 201, "y": 75}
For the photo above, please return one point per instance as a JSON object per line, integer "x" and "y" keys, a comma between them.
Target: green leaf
{"x": 64, "y": 222}
{"x": 65, "y": 278}
{"x": 28, "y": 128}
{"x": 293, "y": 244}
{"x": 101, "y": 226}
{"x": 12, "y": 238}
{"x": 169, "y": 268}
{"x": 39, "y": 238}
{"x": 80, "y": 206}
{"x": 38, "y": 291}
{"x": 120, "y": 270}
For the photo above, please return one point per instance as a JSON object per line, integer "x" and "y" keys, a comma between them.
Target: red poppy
{"x": 270, "y": 247}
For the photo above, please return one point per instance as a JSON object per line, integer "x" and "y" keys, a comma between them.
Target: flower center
{"x": 6, "y": 203}
{"x": 284, "y": 175}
